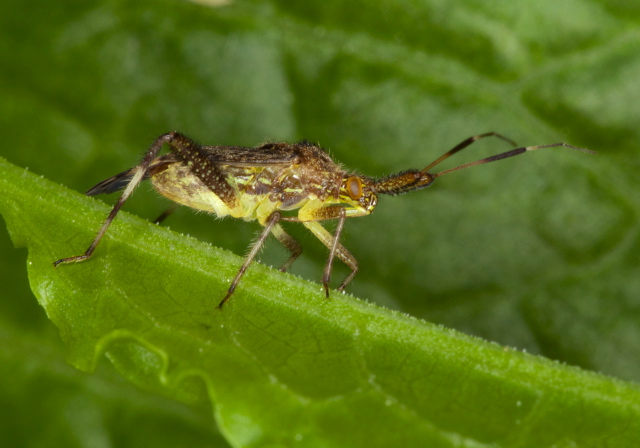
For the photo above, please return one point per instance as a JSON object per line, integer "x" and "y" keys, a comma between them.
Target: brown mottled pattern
{"x": 312, "y": 172}
{"x": 211, "y": 174}
{"x": 318, "y": 174}
{"x": 287, "y": 172}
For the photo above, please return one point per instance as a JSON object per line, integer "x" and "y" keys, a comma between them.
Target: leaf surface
{"x": 280, "y": 364}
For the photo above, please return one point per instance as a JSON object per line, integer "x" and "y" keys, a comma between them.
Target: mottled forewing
{"x": 269, "y": 154}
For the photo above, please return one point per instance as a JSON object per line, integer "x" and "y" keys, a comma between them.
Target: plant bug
{"x": 265, "y": 182}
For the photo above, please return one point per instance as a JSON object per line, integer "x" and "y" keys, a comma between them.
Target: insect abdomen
{"x": 178, "y": 183}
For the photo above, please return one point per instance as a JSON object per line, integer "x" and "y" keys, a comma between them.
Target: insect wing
{"x": 112, "y": 184}
{"x": 121, "y": 180}
{"x": 270, "y": 154}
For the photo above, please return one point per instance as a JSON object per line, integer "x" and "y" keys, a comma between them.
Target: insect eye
{"x": 354, "y": 188}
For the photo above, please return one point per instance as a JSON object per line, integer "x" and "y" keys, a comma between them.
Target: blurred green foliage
{"x": 539, "y": 252}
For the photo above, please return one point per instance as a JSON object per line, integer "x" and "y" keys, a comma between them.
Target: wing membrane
{"x": 121, "y": 180}
{"x": 269, "y": 154}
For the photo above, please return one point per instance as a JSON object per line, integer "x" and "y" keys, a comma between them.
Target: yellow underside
{"x": 178, "y": 184}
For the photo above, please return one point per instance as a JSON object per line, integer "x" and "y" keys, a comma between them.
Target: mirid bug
{"x": 266, "y": 182}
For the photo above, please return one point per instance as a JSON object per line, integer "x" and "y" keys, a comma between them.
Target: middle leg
{"x": 335, "y": 249}
{"x": 292, "y": 245}
{"x": 255, "y": 248}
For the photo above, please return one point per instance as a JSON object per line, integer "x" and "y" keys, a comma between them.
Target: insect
{"x": 267, "y": 183}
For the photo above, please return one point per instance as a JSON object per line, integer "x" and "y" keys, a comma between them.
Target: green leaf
{"x": 280, "y": 364}
{"x": 75, "y": 409}
{"x": 538, "y": 252}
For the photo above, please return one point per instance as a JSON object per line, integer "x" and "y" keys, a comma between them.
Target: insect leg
{"x": 166, "y": 214}
{"x": 335, "y": 249}
{"x": 326, "y": 275}
{"x": 255, "y": 248}
{"x": 292, "y": 245}
{"x": 136, "y": 176}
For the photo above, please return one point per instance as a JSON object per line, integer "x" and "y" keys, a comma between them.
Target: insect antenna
{"x": 412, "y": 180}
{"x": 504, "y": 155}
{"x": 463, "y": 144}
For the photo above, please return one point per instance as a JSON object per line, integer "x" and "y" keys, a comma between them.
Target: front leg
{"x": 326, "y": 275}
{"x": 310, "y": 217}
{"x": 335, "y": 249}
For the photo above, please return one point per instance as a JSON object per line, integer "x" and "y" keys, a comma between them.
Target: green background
{"x": 540, "y": 252}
